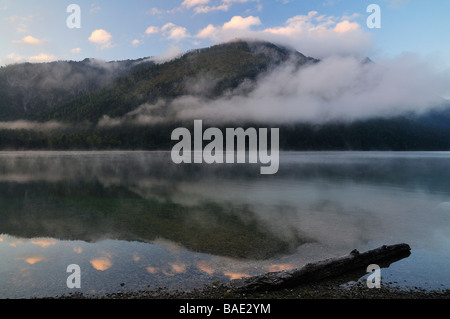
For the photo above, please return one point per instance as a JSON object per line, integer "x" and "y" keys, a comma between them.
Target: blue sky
{"x": 36, "y": 31}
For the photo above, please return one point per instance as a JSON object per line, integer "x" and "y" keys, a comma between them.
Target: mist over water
{"x": 137, "y": 219}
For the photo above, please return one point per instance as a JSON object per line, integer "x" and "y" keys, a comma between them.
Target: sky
{"x": 38, "y": 31}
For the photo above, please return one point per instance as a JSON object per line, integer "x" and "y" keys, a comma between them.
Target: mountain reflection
{"x": 228, "y": 210}
{"x": 127, "y": 196}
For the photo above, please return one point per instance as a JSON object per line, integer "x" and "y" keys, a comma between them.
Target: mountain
{"x": 27, "y": 89}
{"x": 71, "y": 91}
{"x": 207, "y": 72}
{"x": 78, "y": 95}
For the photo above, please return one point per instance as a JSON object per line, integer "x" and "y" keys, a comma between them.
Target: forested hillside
{"x": 77, "y": 95}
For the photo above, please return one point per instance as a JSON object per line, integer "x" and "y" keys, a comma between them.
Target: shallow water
{"x": 135, "y": 220}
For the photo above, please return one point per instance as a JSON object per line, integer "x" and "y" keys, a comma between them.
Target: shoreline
{"x": 333, "y": 278}
{"x": 340, "y": 287}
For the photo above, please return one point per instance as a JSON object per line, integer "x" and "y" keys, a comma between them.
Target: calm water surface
{"x": 135, "y": 220}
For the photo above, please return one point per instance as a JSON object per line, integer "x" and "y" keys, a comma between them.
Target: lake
{"x": 136, "y": 220}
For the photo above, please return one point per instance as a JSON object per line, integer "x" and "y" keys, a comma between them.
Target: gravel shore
{"x": 336, "y": 288}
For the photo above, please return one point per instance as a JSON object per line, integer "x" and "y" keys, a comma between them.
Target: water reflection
{"x": 139, "y": 219}
{"x": 101, "y": 263}
{"x": 94, "y": 196}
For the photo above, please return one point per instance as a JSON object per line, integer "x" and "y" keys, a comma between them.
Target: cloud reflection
{"x": 31, "y": 260}
{"x": 101, "y": 263}
{"x": 281, "y": 267}
{"x": 234, "y": 275}
{"x": 152, "y": 270}
{"x": 16, "y": 243}
{"x": 44, "y": 242}
{"x": 175, "y": 269}
{"x": 203, "y": 266}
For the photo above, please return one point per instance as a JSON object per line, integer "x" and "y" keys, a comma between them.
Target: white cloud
{"x": 174, "y": 32}
{"x": 30, "y": 40}
{"x": 302, "y": 24}
{"x": 13, "y": 58}
{"x": 200, "y": 6}
{"x": 321, "y": 35}
{"x": 75, "y": 50}
{"x": 210, "y": 32}
{"x": 193, "y": 3}
{"x": 238, "y": 1}
{"x": 102, "y": 38}
{"x": 136, "y": 42}
{"x": 238, "y": 22}
{"x": 167, "y": 26}
{"x": 42, "y": 58}
{"x": 170, "y": 30}
{"x": 346, "y": 26}
{"x": 154, "y": 11}
{"x": 207, "y": 9}
{"x": 313, "y": 34}
{"x": 152, "y": 30}
{"x": 236, "y": 27}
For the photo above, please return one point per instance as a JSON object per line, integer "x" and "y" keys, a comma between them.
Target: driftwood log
{"x": 383, "y": 256}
